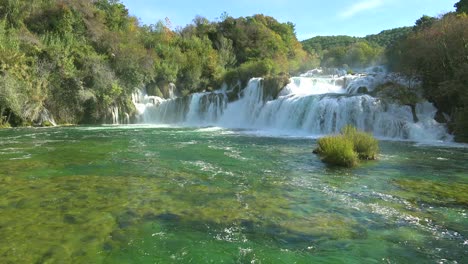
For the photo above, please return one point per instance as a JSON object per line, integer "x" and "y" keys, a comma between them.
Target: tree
{"x": 76, "y": 59}
{"x": 462, "y": 6}
{"x": 424, "y": 22}
{"x": 437, "y": 54}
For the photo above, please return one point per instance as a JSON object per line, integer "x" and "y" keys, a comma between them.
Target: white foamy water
{"x": 307, "y": 106}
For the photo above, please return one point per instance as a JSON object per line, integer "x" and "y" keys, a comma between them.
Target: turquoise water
{"x": 177, "y": 195}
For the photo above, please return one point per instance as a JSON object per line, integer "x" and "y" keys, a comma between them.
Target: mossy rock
{"x": 234, "y": 94}
{"x": 272, "y": 85}
{"x": 324, "y": 224}
{"x": 398, "y": 93}
{"x": 46, "y": 124}
{"x": 362, "y": 90}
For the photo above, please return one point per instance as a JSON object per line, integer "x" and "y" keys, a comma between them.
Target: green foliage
{"x": 364, "y": 144}
{"x": 272, "y": 85}
{"x": 116, "y": 15}
{"x": 462, "y": 6}
{"x": 337, "y": 51}
{"x": 321, "y": 43}
{"x": 347, "y": 148}
{"x": 387, "y": 38}
{"x": 77, "y": 59}
{"x": 249, "y": 70}
{"x": 4, "y": 124}
{"x": 437, "y": 54}
{"x": 260, "y": 38}
{"x": 359, "y": 54}
{"x": 11, "y": 98}
{"x": 424, "y": 22}
{"x": 337, "y": 150}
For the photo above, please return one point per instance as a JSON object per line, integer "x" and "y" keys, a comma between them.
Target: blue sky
{"x": 311, "y": 17}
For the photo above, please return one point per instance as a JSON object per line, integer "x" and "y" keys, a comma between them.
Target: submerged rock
{"x": 438, "y": 193}
{"x": 70, "y": 219}
{"x": 168, "y": 217}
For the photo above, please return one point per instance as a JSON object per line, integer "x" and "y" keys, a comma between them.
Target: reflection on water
{"x": 165, "y": 195}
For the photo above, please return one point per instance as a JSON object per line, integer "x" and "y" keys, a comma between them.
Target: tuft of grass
{"x": 365, "y": 145}
{"x": 337, "y": 150}
{"x": 5, "y": 125}
{"x": 347, "y": 148}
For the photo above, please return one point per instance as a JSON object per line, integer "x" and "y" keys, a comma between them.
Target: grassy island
{"x": 347, "y": 148}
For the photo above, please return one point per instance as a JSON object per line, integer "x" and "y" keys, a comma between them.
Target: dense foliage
{"x": 78, "y": 59}
{"x": 347, "y": 148}
{"x": 462, "y": 6}
{"x": 354, "y": 52}
{"x": 387, "y": 38}
{"x": 337, "y": 150}
{"x": 436, "y": 51}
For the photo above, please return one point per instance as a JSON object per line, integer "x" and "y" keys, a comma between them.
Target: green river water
{"x": 141, "y": 194}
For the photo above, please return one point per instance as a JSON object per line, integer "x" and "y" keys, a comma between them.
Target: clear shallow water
{"x": 178, "y": 195}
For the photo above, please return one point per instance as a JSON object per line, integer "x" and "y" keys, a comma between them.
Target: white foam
{"x": 306, "y": 107}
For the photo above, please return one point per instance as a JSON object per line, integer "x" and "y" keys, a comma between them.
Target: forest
{"x": 75, "y": 60}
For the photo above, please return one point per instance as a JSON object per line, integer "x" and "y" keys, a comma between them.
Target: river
{"x": 159, "y": 194}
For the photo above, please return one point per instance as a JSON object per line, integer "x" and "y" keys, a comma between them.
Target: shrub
{"x": 337, "y": 150}
{"x": 365, "y": 145}
{"x": 347, "y": 148}
{"x": 4, "y": 124}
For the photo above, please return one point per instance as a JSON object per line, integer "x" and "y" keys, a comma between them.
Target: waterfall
{"x": 116, "y": 118}
{"x": 44, "y": 117}
{"x": 115, "y": 115}
{"x": 309, "y": 106}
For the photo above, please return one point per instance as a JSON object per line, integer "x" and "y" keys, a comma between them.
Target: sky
{"x": 311, "y": 17}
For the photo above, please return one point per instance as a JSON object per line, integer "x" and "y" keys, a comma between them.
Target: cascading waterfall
{"x": 45, "y": 116}
{"x": 307, "y": 106}
{"x": 118, "y": 118}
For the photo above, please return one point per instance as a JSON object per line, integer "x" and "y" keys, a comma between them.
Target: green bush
{"x": 365, "y": 145}
{"x": 4, "y": 124}
{"x": 347, "y": 148}
{"x": 337, "y": 150}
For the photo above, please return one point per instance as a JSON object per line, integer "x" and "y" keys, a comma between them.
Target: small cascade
{"x": 199, "y": 109}
{"x": 118, "y": 118}
{"x": 172, "y": 89}
{"x": 126, "y": 119}
{"x": 311, "y": 105}
{"x": 313, "y": 85}
{"x": 368, "y": 82}
{"x": 114, "y": 110}
{"x": 45, "y": 117}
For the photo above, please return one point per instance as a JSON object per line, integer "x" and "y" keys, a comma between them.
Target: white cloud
{"x": 360, "y": 6}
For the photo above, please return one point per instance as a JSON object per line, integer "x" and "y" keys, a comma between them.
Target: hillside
{"x": 79, "y": 60}
{"x": 339, "y": 51}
